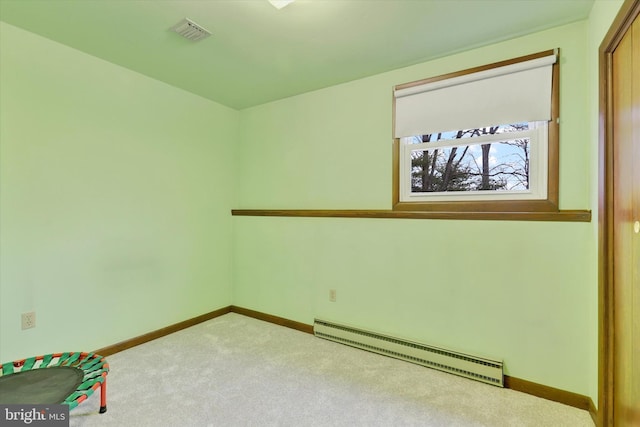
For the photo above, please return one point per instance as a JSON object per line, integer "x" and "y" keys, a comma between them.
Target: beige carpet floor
{"x": 239, "y": 371}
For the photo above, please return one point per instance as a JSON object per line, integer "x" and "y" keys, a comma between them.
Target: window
{"x": 504, "y": 162}
{"x": 484, "y": 139}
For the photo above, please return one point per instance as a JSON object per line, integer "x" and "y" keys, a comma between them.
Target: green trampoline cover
{"x": 40, "y": 386}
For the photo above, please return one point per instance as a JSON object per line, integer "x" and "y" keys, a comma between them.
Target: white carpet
{"x": 238, "y": 371}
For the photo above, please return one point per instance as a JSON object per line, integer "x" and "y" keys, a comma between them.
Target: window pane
{"x": 468, "y": 133}
{"x": 498, "y": 166}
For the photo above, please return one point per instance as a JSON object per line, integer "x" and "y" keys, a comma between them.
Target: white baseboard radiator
{"x": 480, "y": 369}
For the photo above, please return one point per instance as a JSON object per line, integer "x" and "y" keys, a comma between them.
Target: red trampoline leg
{"x": 103, "y": 396}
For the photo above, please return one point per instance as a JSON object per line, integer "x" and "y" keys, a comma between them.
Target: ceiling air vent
{"x": 190, "y": 30}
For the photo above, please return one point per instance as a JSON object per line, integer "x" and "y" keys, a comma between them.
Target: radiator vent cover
{"x": 477, "y": 368}
{"x": 190, "y": 30}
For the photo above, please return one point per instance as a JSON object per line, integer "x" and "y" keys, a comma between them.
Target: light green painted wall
{"x": 522, "y": 291}
{"x": 115, "y": 200}
{"x": 115, "y": 192}
{"x": 344, "y": 161}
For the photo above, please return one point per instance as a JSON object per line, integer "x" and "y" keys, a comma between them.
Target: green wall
{"x": 525, "y": 292}
{"x": 115, "y": 192}
{"x": 115, "y": 200}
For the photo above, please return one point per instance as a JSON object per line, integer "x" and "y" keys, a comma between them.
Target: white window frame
{"x": 538, "y": 160}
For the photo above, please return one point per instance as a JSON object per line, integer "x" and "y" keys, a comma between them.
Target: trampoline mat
{"x": 40, "y": 386}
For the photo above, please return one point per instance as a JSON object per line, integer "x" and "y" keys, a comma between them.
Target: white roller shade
{"x": 510, "y": 94}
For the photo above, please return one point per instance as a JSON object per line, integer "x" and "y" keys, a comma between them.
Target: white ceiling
{"x": 259, "y": 54}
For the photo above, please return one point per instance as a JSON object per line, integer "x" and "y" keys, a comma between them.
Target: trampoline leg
{"x": 103, "y": 397}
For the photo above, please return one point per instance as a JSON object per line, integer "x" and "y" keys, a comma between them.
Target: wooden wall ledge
{"x": 566, "y": 216}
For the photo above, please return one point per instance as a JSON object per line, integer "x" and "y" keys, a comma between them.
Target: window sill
{"x": 563, "y": 216}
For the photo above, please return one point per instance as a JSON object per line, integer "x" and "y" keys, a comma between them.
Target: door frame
{"x": 629, "y": 10}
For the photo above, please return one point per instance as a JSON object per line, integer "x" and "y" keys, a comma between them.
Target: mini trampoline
{"x": 59, "y": 378}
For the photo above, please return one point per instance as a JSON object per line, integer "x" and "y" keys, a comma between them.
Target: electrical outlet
{"x": 332, "y": 295}
{"x": 29, "y": 320}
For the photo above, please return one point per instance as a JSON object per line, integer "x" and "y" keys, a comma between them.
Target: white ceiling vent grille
{"x": 190, "y": 30}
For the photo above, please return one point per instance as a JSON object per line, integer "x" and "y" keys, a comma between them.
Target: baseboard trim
{"x": 303, "y": 327}
{"x": 550, "y": 393}
{"x": 539, "y": 390}
{"x": 159, "y": 333}
{"x": 593, "y": 411}
{"x": 126, "y": 344}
